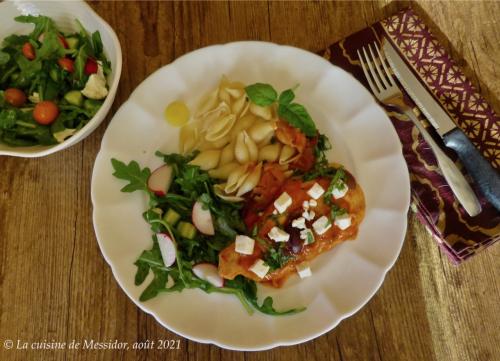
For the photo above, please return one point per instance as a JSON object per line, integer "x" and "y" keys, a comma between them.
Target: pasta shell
{"x": 207, "y": 103}
{"x": 235, "y": 92}
{"x": 207, "y": 159}
{"x": 287, "y": 154}
{"x": 270, "y": 152}
{"x": 220, "y": 127}
{"x": 219, "y": 192}
{"x": 236, "y": 179}
{"x": 263, "y": 112}
{"x": 260, "y": 131}
{"x": 251, "y": 181}
{"x": 245, "y": 149}
{"x": 213, "y": 115}
{"x": 227, "y": 155}
{"x": 241, "y": 124}
{"x": 223, "y": 171}
{"x": 239, "y": 105}
{"x": 188, "y": 138}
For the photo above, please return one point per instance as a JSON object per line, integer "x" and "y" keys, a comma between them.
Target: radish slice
{"x": 159, "y": 181}
{"x": 202, "y": 219}
{"x": 168, "y": 249}
{"x": 209, "y": 273}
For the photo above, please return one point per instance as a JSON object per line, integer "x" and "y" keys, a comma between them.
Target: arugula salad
{"x": 51, "y": 83}
{"x": 250, "y": 197}
{"x": 178, "y": 246}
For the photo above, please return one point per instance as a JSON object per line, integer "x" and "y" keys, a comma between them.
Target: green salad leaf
{"x": 293, "y": 113}
{"x": 261, "y": 94}
{"x": 137, "y": 177}
{"x": 190, "y": 184}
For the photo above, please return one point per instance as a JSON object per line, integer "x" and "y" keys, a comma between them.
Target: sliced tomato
{"x": 91, "y": 66}
{"x": 67, "y": 64}
{"x": 28, "y": 51}
{"x": 63, "y": 41}
{"x": 15, "y": 97}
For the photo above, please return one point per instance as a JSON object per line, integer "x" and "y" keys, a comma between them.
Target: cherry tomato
{"x": 45, "y": 112}
{"x": 66, "y": 64}
{"x": 90, "y": 66}
{"x": 15, "y": 97}
{"x": 63, "y": 41}
{"x": 28, "y": 51}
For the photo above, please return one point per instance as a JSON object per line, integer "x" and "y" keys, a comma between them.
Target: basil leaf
{"x": 286, "y": 97}
{"x": 297, "y": 116}
{"x": 261, "y": 94}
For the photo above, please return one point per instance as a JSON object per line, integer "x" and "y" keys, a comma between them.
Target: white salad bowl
{"x": 364, "y": 141}
{"x": 64, "y": 14}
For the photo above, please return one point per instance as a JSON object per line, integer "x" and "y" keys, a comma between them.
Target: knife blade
{"x": 487, "y": 178}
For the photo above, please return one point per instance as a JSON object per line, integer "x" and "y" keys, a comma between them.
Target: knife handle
{"x": 478, "y": 167}
{"x": 456, "y": 180}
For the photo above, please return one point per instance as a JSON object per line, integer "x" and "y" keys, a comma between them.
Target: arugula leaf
{"x": 51, "y": 47}
{"x": 97, "y": 43}
{"x": 298, "y": 117}
{"x": 158, "y": 283}
{"x": 4, "y": 57}
{"x": 42, "y": 24}
{"x": 261, "y": 94}
{"x": 249, "y": 290}
{"x": 7, "y": 118}
{"x": 132, "y": 172}
{"x": 81, "y": 59}
{"x": 286, "y": 97}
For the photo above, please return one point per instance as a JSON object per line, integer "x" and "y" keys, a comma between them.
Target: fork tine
{"x": 383, "y": 61}
{"x": 373, "y": 72}
{"x": 367, "y": 75}
{"x": 376, "y": 64}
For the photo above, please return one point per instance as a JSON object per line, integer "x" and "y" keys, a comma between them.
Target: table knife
{"x": 487, "y": 178}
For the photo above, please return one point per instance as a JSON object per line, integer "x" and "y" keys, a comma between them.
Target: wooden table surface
{"x": 56, "y": 286}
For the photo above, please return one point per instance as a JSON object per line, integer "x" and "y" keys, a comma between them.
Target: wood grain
{"x": 55, "y": 285}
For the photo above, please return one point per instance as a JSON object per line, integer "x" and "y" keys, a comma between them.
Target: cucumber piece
{"x": 54, "y": 75}
{"x": 74, "y": 97}
{"x": 92, "y": 105}
{"x": 72, "y": 42}
{"x": 171, "y": 217}
{"x": 186, "y": 230}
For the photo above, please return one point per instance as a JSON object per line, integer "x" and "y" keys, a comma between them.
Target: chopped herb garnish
{"x": 277, "y": 257}
{"x": 337, "y": 211}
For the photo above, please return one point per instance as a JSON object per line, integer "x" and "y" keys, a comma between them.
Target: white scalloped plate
{"x": 364, "y": 140}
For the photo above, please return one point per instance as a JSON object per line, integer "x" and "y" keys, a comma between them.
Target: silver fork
{"x": 387, "y": 92}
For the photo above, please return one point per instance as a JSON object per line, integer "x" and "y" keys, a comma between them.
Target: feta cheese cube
{"x": 95, "y": 88}
{"x": 260, "y": 268}
{"x": 307, "y": 236}
{"x": 275, "y": 212}
{"x": 278, "y": 235}
{"x": 283, "y": 202}
{"x": 313, "y": 203}
{"x": 305, "y": 205}
{"x": 299, "y": 223}
{"x": 244, "y": 244}
{"x": 308, "y": 215}
{"x": 303, "y": 270}
{"x": 340, "y": 190}
{"x": 343, "y": 221}
{"x": 316, "y": 191}
{"x": 321, "y": 225}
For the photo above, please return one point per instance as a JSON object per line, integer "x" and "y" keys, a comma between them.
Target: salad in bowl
{"x": 60, "y": 65}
